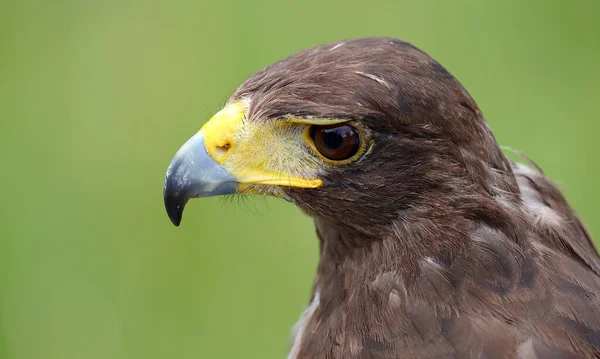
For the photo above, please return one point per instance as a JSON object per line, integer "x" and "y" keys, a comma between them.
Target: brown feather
{"x": 434, "y": 245}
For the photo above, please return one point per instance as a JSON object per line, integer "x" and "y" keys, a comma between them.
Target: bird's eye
{"x": 336, "y": 142}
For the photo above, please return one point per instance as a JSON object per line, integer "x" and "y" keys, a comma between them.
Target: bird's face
{"x": 335, "y": 129}
{"x": 287, "y": 157}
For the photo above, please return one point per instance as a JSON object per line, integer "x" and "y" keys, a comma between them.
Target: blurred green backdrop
{"x": 96, "y": 97}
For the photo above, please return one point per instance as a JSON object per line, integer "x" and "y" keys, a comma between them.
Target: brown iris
{"x": 336, "y": 142}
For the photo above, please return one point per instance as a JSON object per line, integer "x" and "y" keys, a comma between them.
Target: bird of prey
{"x": 432, "y": 243}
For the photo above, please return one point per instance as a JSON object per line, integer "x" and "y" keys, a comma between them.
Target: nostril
{"x": 220, "y": 151}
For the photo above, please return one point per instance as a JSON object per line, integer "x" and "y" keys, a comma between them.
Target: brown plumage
{"x": 433, "y": 244}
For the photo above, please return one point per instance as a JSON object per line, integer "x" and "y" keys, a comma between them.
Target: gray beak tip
{"x": 191, "y": 174}
{"x": 174, "y": 206}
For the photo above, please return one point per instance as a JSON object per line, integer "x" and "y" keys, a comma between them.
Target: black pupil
{"x": 333, "y": 138}
{"x": 336, "y": 142}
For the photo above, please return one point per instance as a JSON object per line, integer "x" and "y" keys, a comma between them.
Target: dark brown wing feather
{"x": 499, "y": 299}
{"x": 432, "y": 245}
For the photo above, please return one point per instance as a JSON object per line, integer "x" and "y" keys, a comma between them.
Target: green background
{"x": 97, "y": 96}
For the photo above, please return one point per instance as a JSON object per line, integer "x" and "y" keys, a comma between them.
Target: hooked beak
{"x": 194, "y": 173}
{"x": 230, "y": 155}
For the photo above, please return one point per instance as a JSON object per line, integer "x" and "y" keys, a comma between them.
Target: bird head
{"x": 430, "y": 244}
{"x": 354, "y": 132}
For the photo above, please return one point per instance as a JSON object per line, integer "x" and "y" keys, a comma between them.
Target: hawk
{"x": 432, "y": 243}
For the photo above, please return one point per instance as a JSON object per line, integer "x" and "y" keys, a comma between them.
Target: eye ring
{"x": 336, "y": 143}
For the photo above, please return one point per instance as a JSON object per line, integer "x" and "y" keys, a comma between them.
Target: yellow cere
{"x": 219, "y": 131}
{"x": 259, "y": 153}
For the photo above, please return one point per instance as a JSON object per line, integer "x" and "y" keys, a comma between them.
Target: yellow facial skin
{"x": 269, "y": 153}
{"x": 232, "y": 154}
